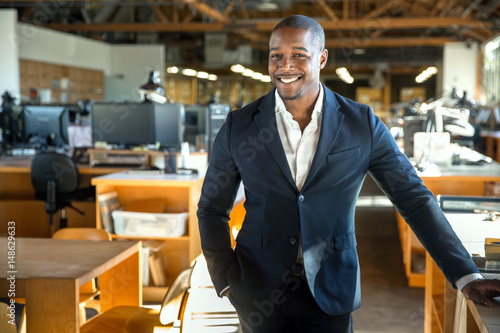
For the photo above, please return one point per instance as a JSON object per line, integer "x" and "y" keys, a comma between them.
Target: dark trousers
{"x": 297, "y": 311}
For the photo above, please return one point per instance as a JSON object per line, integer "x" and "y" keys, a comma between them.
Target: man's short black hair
{"x": 305, "y": 23}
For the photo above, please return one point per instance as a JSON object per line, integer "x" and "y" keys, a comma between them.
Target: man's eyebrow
{"x": 295, "y": 48}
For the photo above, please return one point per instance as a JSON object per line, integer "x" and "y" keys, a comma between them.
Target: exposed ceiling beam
{"x": 392, "y": 23}
{"x": 27, "y": 13}
{"x": 381, "y": 9}
{"x": 387, "y": 42}
{"x": 323, "y": 6}
{"x": 157, "y": 10}
{"x": 207, "y": 10}
{"x": 356, "y": 25}
{"x": 140, "y": 27}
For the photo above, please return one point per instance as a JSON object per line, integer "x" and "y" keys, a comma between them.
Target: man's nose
{"x": 287, "y": 63}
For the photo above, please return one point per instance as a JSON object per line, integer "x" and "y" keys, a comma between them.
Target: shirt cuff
{"x": 464, "y": 280}
{"x": 221, "y": 294}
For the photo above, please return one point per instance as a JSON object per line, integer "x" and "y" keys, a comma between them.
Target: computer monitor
{"x": 169, "y": 124}
{"x": 133, "y": 124}
{"x": 122, "y": 124}
{"x": 46, "y": 125}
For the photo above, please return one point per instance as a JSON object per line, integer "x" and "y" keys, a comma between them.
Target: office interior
{"x": 126, "y": 99}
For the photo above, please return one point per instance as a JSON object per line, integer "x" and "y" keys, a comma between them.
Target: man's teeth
{"x": 288, "y": 80}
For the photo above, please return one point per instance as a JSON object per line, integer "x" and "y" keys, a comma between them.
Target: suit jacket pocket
{"x": 249, "y": 239}
{"x": 344, "y": 241}
{"x": 343, "y": 155}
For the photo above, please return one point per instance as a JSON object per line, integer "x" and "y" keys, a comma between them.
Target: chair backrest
{"x": 6, "y": 320}
{"x": 53, "y": 166}
{"x": 175, "y": 297}
{"x": 82, "y": 233}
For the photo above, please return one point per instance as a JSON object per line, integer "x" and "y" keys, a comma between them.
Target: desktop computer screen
{"x": 127, "y": 125}
{"x": 169, "y": 124}
{"x": 122, "y": 124}
{"x": 46, "y": 125}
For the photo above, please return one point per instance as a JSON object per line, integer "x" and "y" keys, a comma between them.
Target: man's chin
{"x": 288, "y": 97}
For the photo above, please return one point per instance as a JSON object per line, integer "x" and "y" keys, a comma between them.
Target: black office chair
{"x": 56, "y": 181}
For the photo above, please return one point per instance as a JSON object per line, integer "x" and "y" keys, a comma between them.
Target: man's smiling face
{"x": 295, "y": 63}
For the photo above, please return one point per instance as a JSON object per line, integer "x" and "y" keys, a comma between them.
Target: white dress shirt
{"x": 299, "y": 147}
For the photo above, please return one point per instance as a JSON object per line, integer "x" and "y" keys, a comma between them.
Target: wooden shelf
{"x": 179, "y": 192}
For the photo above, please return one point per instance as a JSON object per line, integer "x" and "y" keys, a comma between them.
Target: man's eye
{"x": 275, "y": 56}
{"x": 299, "y": 55}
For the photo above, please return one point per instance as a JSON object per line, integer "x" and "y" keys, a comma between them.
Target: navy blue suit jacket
{"x": 353, "y": 141}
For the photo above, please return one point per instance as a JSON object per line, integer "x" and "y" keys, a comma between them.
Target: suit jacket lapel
{"x": 330, "y": 127}
{"x": 266, "y": 123}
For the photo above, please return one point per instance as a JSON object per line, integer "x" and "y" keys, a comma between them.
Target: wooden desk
{"x": 440, "y": 297}
{"x": 48, "y": 273}
{"x": 452, "y": 180}
{"x": 18, "y": 203}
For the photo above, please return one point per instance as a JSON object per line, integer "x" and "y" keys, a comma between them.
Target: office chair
{"x": 137, "y": 319}
{"x": 56, "y": 181}
{"x": 6, "y": 320}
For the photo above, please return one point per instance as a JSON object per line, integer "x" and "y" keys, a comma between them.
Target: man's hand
{"x": 482, "y": 291}
{"x": 228, "y": 291}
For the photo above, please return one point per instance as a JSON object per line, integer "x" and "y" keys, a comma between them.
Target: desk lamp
{"x": 152, "y": 90}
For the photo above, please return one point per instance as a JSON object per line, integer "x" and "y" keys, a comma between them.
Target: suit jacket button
{"x": 292, "y": 240}
{"x": 301, "y": 198}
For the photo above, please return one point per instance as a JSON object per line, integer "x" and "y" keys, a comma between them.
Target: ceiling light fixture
{"x": 266, "y": 78}
{"x": 266, "y": 6}
{"x": 237, "y": 68}
{"x": 426, "y": 74}
{"x": 344, "y": 75}
{"x": 248, "y": 72}
{"x": 189, "y": 72}
{"x": 202, "y": 75}
{"x": 173, "y": 70}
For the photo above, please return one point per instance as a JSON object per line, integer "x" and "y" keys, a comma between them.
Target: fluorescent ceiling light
{"x": 202, "y": 75}
{"x": 189, "y": 72}
{"x": 173, "y": 70}
{"x": 257, "y": 76}
{"x": 344, "y": 75}
{"x": 426, "y": 74}
{"x": 248, "y": 72}
{"x": 237, "y": 68}
{"x": 266, "y": 78}
{"x": 212, "y": 77}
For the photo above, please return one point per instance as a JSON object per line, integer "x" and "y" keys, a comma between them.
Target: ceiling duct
{"x": 215, "y": 45}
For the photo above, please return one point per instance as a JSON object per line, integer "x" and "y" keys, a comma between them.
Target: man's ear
{"x": 323, "y": 58}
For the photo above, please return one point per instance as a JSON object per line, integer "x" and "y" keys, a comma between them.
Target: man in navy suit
{"x": 302, "y": 153}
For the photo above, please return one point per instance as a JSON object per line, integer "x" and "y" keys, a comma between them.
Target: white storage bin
{"x": 149, "y": 224}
